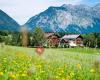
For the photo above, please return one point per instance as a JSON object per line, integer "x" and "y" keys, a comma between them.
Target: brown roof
{"x": 48, "y": 34}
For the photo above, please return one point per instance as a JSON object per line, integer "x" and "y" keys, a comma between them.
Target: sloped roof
{"x": 48, "y": 34}
{"x": 74, "y": 36}
{"x": 51, "y": 34}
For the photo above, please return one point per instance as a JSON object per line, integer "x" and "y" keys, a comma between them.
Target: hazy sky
{"x": 22, "y": 10}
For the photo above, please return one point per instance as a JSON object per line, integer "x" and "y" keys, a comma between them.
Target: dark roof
{"x": 51, "y": 34}
{"x": 48, "y": 34}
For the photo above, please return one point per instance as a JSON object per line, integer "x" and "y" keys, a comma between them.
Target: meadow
{"x": 18, "y": 63}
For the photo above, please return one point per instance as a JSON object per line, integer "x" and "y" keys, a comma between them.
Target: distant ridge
{"x": 7, "y": 23}
{"x": 68, "y": 18}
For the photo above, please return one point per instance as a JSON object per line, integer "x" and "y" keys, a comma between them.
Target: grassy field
{"x": 18, "y": 63}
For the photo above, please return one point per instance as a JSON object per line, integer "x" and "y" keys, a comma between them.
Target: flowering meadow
{"x": 18, "y": 63}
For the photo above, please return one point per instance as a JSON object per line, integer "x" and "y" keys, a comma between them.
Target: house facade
{"x": 52, "y": 39}
{"x": 72, "y": 40}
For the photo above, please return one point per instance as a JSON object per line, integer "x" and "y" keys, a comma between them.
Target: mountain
{"x": 69, "y": 18}
{"x": 7, "y": 23}
{"x": 96, "y": 10}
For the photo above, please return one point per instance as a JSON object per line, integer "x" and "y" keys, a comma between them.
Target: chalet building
{"x": 52, "y": 39}
{"x": 72, "y": 40}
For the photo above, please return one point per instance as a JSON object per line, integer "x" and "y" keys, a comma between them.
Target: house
{"x": 72, "y": 40}
{"x": 52, "y": 39}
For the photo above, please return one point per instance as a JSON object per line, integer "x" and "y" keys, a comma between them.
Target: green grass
{"x": 18, "y": 63}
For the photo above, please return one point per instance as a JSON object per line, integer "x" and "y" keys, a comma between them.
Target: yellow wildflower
{"x": 57, "y": 77}
{"x": 1, "y": 73}
{"x": 42, "y": 71}
{"x": 59, "y": 74}
{"x": 14, "y": 62}
{"x": 92, "y": 70}
{"x": 63, "y": 79}
{"x": 39, "y": 66}
{"x": 11, "y": 75}
{"x": 67, "y": 78}
{"x": 72, "y": 74}
{"x": 79, "y": 66}
{"x": 62, "y": 71}
{"x": 23, "y": 75}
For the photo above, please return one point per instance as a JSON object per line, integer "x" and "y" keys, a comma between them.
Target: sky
{"x": 23, "y": 10}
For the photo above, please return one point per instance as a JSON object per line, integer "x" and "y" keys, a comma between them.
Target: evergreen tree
{"x": 38, "y": 37}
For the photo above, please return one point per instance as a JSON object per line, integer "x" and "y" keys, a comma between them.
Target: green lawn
{"x": 18, "y": 63}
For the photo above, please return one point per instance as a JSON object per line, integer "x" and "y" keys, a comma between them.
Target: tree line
{"x": 37, "y": 37}
{"x": 92, "y": 40}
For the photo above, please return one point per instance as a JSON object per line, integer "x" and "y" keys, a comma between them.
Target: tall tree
{"x": 98, "y": 40}
{"x": 38, "y": 37}
{"x": 16, "y": 40}
{"x": 92, "y": 40}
